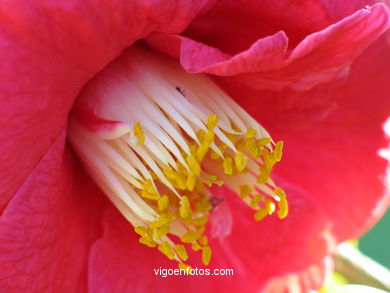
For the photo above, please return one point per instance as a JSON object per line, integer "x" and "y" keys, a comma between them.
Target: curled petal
{"x": 319, "y": 58}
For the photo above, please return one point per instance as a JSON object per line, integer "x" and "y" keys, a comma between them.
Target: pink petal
{"x": 332, "y": 135}
{"x": 48, "y": 227}
{"x": 254, "y": 19}
{"x": 339, "y": 163}
{"x": 310, "y": 278}
{"x": 50, "y": 49}
{"x": 259, "y": 253}
{"x": 302, "y": 68}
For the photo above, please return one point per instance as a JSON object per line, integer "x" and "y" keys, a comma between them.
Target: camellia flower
{"x": 184, "y": 133}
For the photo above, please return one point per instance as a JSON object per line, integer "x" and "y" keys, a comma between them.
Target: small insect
{"x": 180, "y": 90}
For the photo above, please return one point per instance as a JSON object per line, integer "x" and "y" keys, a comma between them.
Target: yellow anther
{"x": 201, "y": 134}
{"x": 260, "y": 214}
{"x": 282, "y": 208}
{"x": 148, "y": 186}
{"x": 228, "y": 166}
{"x": 161, "y": 221}
{"x": 269, "y": 206}
{"x": 139, "y": 133}
{"x": 181, "y": 251}
{"x": 212, "y": 121}
{"x": 263, "y": 142}
{"x": 269, "y": 161}
{"x": 180, "y": 181}
{"x": 282, "y": 204}
{"x": 200, "y": 221}
{"x": 206, "y": 255}
{"x": 185, "y": 210}
{"x": 195, "y": 246}
{"x": 144, "y": 232}
{"x": 190, "y": 182}
{"x": 192, "y": 147}
{"x": 185, "y": 267}
{"x": 245, "y": 190}
{"x": 200, "y": 230}
{"x": 147, "y": 242}
{"x": 240, "y": 160}
{"x": 148, "y": 195}
{"x": 209, "y": 137}
{"x": 264, "y": 175}
{"x": 203, "y": 206}
{"x": 194, "y": 165}
{"x": 255, "y": 200}
{"x": 201, "y": 152}
{"x": 203, "y": 240}
{"x": 251, "y": 133}
{"x": 160, "y": 232}
{"x": 189, "y": 237}
{"x": 250, "y": 144}
{"x": 163, "y": 202}
{"x": 166, "y": 249}
{"x": 278, "y": 152}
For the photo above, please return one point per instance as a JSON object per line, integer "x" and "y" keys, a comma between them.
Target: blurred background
{"x": 376, "y": 242}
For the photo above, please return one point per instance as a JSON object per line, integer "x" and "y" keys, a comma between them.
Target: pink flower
{"x": 314, "y": 73}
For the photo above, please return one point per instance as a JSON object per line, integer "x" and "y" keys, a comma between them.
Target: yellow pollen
{"x": 240, "y": 160}
{"x": 260, "y": 214}
{"x": 268, "y": 159}
{"x": 264, "y": 175}
{"x": 147, "y": 242}
{"x": 250, "y": 144}
{"x": 189, "y": 237}
{"x": 212, "y": 121}
{"x": 185, "y": 210}
{"x": 263, "y": 142}
{"x": 195, "y": 246}
{"x": 162, "y": 221}
{"x": 278, "y": 151}
{"x": 181, "y": 252}
{"x": 194, "y": 165}
{"x": 245, "y": 190}
{"x": 203, "y": 240}
{"x": 200, "y": 221}
{"x": 163, "y": 177}
{"x": 255, "y": 200}
{"x": 206, "y": 255}
{"x": 166, "y": 249}
{"x": 143, "y": 231}
{"x": 187, "y": 268}
{"x": 228, "y": 166}
{"x": 148, "y": 186}
{"x": 163, "y": 202}
{"x": 139, "y": 133}
{"x": 160, "y": 232}
{"x": 251, "y": 133}
{"x": 282, "y": 204}
{"x": 148, "y": 195}
{"x": 190, "y": 182}
{"x": 269, "y": 206}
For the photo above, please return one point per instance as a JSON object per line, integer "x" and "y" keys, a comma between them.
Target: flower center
{"x": 157, "y": 139}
